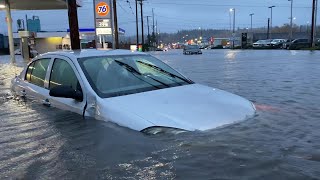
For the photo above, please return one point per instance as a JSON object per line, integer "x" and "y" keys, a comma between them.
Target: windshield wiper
{"x": 127, "y": 67}
{"x": 164, "y": 71}
{"x": 133, "y": 70}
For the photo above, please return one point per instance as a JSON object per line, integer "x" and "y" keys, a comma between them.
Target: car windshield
{"x": 192, "y": 47}
{"x": 112, "y": 76}
{"x": 260, "y": 41}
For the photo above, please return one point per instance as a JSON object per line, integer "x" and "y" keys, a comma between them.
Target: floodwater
{"x": 281, "y": 142}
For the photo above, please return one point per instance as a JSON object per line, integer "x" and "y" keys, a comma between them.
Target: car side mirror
{"x": 66, "y": 92}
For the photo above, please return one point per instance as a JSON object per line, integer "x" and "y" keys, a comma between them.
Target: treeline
{"x": 183, "y": 35}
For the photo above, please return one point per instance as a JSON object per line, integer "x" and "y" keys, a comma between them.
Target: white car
{"x": 17, "y": 52}
{"x": 33, "y": 53}
{"x": 131, "y": 89}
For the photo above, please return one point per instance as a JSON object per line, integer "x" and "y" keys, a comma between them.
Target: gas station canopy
{"x": 37, "y": 4}
{"x": 9, "y": 5}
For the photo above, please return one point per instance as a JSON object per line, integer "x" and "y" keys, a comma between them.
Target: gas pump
{"x": 27, "y": 44}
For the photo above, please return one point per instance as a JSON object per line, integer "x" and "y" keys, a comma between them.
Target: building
{"x": 44, "y": 42}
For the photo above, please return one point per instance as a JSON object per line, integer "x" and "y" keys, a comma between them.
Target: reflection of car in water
{"x": 192, "y": 49}
{"x": 132, "y": 89}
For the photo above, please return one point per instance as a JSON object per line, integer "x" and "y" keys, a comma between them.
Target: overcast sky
{"x": 174, "y": 15}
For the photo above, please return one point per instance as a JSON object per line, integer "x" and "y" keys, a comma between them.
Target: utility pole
{"x": 73, "y": 24}
{"x": 153, "y": 20}
{"x": 268, "y": 33}
{"x": 142, "y": 25}
{"x": 148, "y": 30}
{"x": 291, "y": 23}
{"x": 312, "y": 39}
{"x": 116, "y": 28}
{"x": 157, "y": 32}
{"x": 315, "y": 21}
{"x": 230, "y": 20}
{"x": 159, "y": 43}
{"x": 137, "y": 25}
{"x": 270, "y": 28}
{"x": 251, "y": 26}
{"x": 27, "y": 23}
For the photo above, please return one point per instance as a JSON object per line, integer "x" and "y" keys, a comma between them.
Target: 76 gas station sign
{"x": 103, "y": 17}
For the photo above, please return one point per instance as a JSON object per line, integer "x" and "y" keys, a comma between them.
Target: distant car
{"x": 317, "y": 42}
{"x": 131, "y": 89}
{"x": 286, "y": 44}
{"x": 262, "y": 44}
{"x": 33, "y": 53}
{"x": 208, "y": 47}
{"x": 17, "y": 52}
{"x": 277, "y": 43}
{"x": 299, "y": 44}
{"x": 258, "y": 44}
{"x": 192, "y": 49}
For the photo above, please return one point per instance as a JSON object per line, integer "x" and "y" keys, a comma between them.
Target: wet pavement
{"x": 281, "y": 142}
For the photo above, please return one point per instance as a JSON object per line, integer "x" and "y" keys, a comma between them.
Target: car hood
{"x": 189, "y": 107}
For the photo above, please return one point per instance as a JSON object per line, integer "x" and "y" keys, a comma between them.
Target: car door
{"x": 32, "y": 85}
{"x": 64, "y": 72}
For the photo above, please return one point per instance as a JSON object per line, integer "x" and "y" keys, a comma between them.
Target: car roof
{"x": 93, "y": 53}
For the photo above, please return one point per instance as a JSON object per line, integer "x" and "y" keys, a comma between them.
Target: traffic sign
{"x": 102, "y": 9}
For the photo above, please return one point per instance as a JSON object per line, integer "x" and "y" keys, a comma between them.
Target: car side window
{"x": 63, "y": 74}
{"x": 36, "y": 72}
{"x": 29, "y": 71}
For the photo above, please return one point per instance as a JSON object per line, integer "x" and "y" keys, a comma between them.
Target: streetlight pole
{"x": 251, "y": 15}
{"x": 234, "y": 25}
{"x": 291, "y": 19}
{"x": 271, "y": 7}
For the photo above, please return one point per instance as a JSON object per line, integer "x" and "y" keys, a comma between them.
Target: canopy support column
{"x": 10, "y": 31}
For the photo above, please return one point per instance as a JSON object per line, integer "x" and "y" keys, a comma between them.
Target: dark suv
{"x": 299, "y": 44}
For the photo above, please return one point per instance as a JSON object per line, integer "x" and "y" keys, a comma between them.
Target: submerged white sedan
{"x": 131, "y": 89}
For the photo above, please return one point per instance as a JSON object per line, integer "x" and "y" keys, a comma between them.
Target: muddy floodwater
{"x": 281, "y": 142}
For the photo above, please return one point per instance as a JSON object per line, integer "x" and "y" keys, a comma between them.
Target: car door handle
{"x": 46, "y": 102}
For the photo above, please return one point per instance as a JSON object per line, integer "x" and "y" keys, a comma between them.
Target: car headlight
{"x": 253, "y": 106}
{"x": 162, "y": 130}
